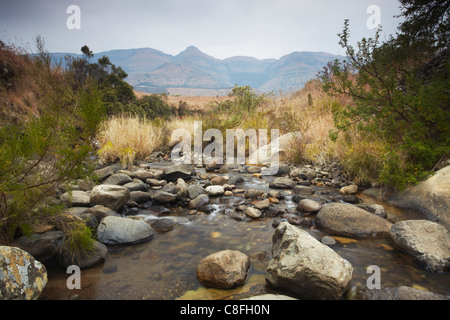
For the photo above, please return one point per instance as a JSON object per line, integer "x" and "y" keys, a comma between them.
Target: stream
{"x": 164, "y": 268}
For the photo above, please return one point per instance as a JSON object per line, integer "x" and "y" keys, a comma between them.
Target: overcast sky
{"x": 220, "y": 28}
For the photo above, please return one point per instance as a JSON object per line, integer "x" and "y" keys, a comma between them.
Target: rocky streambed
{"x": 160, "y": 227}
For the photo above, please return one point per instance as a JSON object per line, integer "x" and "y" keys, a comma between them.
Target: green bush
{"x": 396, "y": 100}
{"x": 49, "y": 150}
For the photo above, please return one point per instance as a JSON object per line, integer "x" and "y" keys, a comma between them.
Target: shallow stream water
{"x": 164, "y": 268}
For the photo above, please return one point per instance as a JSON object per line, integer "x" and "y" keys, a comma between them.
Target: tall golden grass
{"x": 128, "y": 138}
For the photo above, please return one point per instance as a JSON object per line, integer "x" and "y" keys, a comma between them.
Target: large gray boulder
{"x": 223, "y": 269}
{"x": 350, "y": 221}
{"x": 181, "y": 170}
{"x": 136, "y": 185}
{"x": 306, "y": 268}
{"x": 200, "y": 201}
{"x": 22, "y": 277}
{"x": 164, "y": 197}
{"x": 193, "y": 191}
{"x": 426, "y": 241}
{"x": 111, "y": 196}
{"x": 140, "y": 196}
{"x": 282, "y": 183}
{"x": 105, "y": 172}
{"x": 43, "y": 247}
{"x": 118, "y": 179}
{"x": 121, "y": 231}
{"x": 431, "y": 198}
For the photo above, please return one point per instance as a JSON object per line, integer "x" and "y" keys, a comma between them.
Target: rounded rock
{"x": 223, "y": 269}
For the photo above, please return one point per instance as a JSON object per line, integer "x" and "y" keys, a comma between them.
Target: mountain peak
{"x": 191, "y": 50}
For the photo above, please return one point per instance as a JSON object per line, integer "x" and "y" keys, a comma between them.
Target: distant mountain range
{"x": 193, "y": 72}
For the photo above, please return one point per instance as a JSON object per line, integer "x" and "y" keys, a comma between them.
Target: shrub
{"x": 40, "y": 155}
{"x": 48, "y": 149}
{"x": 396, "y": 101}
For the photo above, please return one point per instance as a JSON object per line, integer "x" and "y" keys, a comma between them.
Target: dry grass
{"x": 295, "y": 113}
{"x": 127, "y": 138}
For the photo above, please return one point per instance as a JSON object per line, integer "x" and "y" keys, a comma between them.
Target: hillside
{"x": 153, "y": 71}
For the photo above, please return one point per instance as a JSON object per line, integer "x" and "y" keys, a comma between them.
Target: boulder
{"x": 351, "y": 189}
{"x": 140, "y": 196}
{"x": 306, "y": 268}
{"x": 223, "y": 269}
{"x": 193, "y": 191}
{"x": 303, "y": 190}
{"x": 181, "y": 170}
{"x": 213, "y": 191}
{"x": 164, "y": 197}
{"x": 103, "y": 173}
{"x": 263, "y": 204}
{"x": 426, "y": 241}
{"x": 275, "y": 210}
{"x": 136, "y": 185}
{"x": 156, "y": 182}
{"x": 43, "y": 247}
{"x": 84, "y": 260}
{"x": 282, "y": 183}
{"x": 253, "y": 193}
{"x": 200, "y": 201}
{"x": 88, "y": 218}
{"x": 85, "y": 185}
{"x": 235, "y": 180}
{"x": 308, "y": 206}
{"x": 76, "y": 198}
{"x": 114, "y": 197}
{"x": 252, "y": 212}
{"x": 218, "y": 180}
{"x": 143, "y": 174}
{"x": 297, "y": 173}
{"x": 22, "y": 277}
{"x": 181, "y": 192}
{"x": 350, "y": 221}
{"x": 118, "y": 179}
{"x": 121, "y": 231}
{"x": 431, "y": 198}
{"x": 311, "y": 174}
